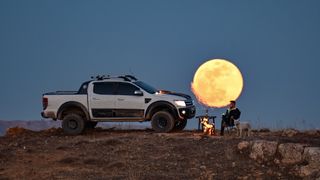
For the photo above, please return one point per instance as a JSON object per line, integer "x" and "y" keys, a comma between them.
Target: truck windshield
{"x": 146, "y": 87}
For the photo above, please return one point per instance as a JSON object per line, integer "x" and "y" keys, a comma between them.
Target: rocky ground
{"x": 143, "y": 154}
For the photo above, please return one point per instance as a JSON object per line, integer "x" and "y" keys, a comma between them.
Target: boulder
{"x": 312, "y": 156}
{"x": 290, "y": 132}
{"x": 312, "y": 132}
{"x": 291, "y": 153}
{"x": 309, "y": 171}
{"x": 243, "y": 146}
{"x": 263, "y": 150}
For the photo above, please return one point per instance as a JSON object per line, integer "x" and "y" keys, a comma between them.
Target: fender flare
{"x": 164, "y": 104}
{"x": 70, "y": 104}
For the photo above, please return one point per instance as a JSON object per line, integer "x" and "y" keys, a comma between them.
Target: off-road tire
{"x": 180, "y": 125}
{"x": 162, "y": 121}
{"x": 91, "y": 124}
{"x": 73, "y": 124}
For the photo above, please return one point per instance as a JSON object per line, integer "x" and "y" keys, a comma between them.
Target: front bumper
{"x": 187, "y": 112}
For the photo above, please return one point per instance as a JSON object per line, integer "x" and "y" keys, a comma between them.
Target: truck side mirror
{"x": 138, "y": 93}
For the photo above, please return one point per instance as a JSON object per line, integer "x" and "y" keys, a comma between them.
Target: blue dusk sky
{"x": 56, "y": 45}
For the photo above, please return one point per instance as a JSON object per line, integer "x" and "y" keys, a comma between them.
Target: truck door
{"x": 127, "y": 103}
{"x": 101, "y": 99}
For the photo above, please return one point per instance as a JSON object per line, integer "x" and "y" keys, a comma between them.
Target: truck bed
{"x": 62, "y": 93}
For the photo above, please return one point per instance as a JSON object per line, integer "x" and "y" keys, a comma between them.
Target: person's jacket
{"x": 233, "y": 112}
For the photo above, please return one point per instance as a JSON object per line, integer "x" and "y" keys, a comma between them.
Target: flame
{"x": 216, "y": 82}
{"x": 208, "y": 128}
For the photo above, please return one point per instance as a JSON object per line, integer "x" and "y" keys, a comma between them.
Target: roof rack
{"x": 124, "y": 77}
{"x": 130, "y": 77}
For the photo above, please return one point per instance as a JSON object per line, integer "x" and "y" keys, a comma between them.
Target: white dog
{"x": 242, "y": 126}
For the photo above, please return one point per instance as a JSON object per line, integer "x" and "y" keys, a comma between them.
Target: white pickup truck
{"x": 117, "y": 99}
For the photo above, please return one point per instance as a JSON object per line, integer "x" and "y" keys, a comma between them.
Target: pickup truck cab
{"x": 117, "y": 99}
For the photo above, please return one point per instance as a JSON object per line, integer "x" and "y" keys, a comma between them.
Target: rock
{"x": 213, "y": 174}
{"x": 264, "y": 130}
{"x": 244, "y": 178}
{"x": 312, "y": 156}
{"x": 244, "y": 145}
{"x": 194, "y": 170}
{"x": 14, "y": 144}
{"x": 276, "y": 161}
{"x": 308, "y": 170}
{"x": 290, "y": 132}
{"x": 313, "y": 132}
{"x": 291, "y": 153}
{"x": 263, "y": 150}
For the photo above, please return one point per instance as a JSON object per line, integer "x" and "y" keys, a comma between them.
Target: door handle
{"x": 120, "y": 99}
{"x": 95, "y": 99}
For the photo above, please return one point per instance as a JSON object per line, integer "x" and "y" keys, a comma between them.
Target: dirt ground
{"x": 135, "y": 154}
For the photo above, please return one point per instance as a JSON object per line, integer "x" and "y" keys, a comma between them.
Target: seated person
{"x": 232, "y": 113}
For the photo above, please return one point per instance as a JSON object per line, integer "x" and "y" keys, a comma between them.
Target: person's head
{"x": 232, "y": 104}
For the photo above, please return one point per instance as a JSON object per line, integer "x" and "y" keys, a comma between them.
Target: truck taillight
{"x": 44, "y": 103}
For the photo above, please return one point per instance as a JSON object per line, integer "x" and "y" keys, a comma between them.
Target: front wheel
{"x": 73, "y": 124}
{"x": 162, "y": 121}
{"x": 180, "y": 125}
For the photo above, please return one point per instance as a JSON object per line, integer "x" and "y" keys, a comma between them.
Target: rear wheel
{"x": 180, "y": 125}
{"x": 162, "y": 121}
{"x": 73, "y": 124}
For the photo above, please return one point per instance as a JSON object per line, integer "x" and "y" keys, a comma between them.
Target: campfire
{"x": 207, "y": 126}
{"x": 208, "y": 129}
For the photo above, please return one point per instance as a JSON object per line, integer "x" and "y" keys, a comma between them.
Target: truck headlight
{"x": 180, "y": 103}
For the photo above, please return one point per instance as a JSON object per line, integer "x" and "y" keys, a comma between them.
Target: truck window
{"x": 146, "y": 87}
{"x": 125, "y": 89}
{"x": 83, "y": 88}
{"x": 106, "y": 88}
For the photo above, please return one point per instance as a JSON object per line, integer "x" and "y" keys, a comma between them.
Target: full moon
{"x": 216, "y": 83}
